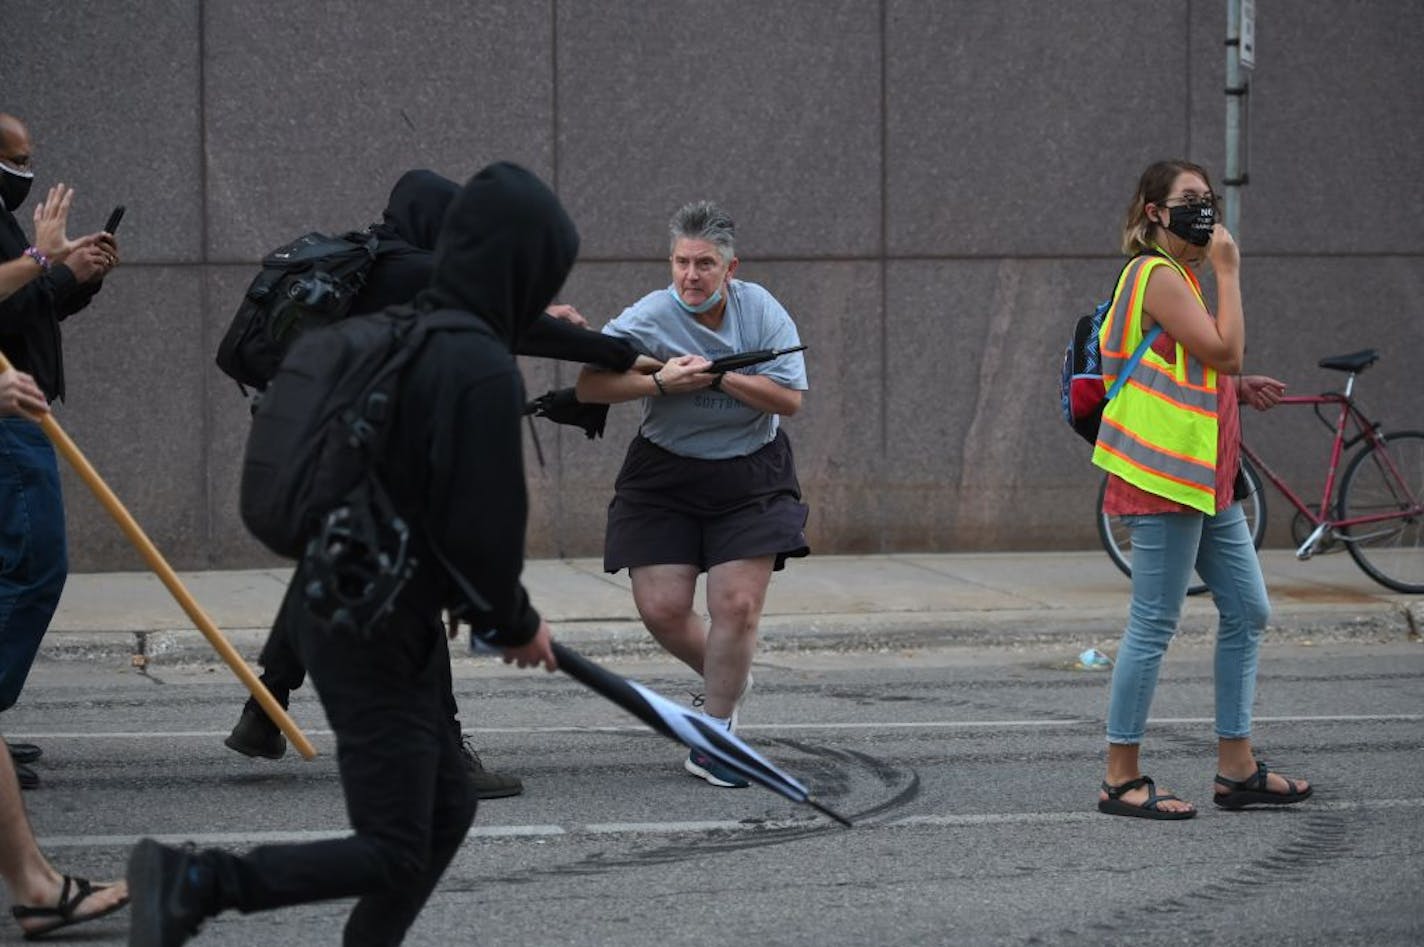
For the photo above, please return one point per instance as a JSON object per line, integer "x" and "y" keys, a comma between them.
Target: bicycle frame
{"x": 1323, "y": 522}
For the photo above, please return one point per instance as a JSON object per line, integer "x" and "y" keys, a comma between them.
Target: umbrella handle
{"x": 170, "y": 579}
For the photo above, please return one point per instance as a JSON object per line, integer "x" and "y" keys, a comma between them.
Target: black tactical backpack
{"x": 311, "y": 486}
{"x": 303, "y": 285}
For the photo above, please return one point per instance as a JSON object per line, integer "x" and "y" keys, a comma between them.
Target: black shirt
{"x": 29, "y": 319}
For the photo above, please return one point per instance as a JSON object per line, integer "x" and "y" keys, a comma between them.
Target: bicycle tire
{"x": 1117, "y": 541}
{"x": 1393, "y": 557}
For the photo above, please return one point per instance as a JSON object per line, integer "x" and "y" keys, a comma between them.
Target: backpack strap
{"x": 1137, "y": 354}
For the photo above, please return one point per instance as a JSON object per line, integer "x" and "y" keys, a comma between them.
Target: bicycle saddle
{"x": 1354, "y": 362}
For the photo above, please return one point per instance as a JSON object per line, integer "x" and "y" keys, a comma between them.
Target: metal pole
{"x": 1237, "y": 88}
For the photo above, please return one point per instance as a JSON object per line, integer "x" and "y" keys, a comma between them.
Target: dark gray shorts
{"x": 671, "y": 510}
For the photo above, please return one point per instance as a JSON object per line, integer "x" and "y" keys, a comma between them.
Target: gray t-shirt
{"x": 707, "y": 424}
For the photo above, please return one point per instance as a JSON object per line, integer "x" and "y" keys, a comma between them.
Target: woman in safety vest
{"x": 1170, "y": 442}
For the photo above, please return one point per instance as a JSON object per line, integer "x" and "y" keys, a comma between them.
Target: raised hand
{"x": 51, "y": 216}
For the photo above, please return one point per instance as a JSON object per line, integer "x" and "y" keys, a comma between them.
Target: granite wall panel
{"x": 933, "y": 188}
{"x": 977, "y": 456}
{"x": 771, "y": 111}
{"x": 135, "y": 408}
{"x": 313, "y": 110}
{"x": 1336, "y": 129}
{"x": 110, "y": 92}
{"x": 1010, "y": 126}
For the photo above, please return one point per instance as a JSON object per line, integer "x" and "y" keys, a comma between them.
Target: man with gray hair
{"x": 709, "y": 483}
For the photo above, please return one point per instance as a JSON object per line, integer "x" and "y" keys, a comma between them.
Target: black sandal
{"x": 1252, "y": 791}
{"x": 63, "y": 915}
{"x": 1113, "y": 804}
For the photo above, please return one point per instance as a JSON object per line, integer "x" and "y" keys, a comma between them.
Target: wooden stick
{"x": 169, "y": 578}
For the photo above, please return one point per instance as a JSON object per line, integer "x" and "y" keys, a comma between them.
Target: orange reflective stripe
{"x": 1172, "y": 375}
{"x": 1156, "y": 473}
{"x": 1180, "y": 405}
{"x": 1156, "y": 448}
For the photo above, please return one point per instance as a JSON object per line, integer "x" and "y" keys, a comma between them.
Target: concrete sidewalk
{"x": 1077, "y": 599}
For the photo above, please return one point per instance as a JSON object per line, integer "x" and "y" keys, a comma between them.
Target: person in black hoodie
{"x": 33, "y": 554}
{"x": 403, "y": 268}
{"x": 454, "y": 462}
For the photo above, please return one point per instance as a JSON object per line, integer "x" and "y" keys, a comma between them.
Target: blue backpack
{"x": 1081, "y": 388}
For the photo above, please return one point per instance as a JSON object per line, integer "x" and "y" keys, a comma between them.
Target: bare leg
{"x": 736, "y": 592}
{"x": 663, "y": 594}
{"x": 31, "y": 880}
{"x": 1124, "y": 764}
{"x": 1235, "y": 759}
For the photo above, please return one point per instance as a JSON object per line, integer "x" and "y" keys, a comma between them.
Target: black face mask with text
{"x": 14, "y": 187}
{"x": 1193, "y": 222}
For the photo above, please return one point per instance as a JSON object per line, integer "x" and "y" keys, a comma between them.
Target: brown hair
{"x": 1152, "y": 188}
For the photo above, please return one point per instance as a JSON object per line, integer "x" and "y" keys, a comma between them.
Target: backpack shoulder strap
{"x": 1144, "y": 268}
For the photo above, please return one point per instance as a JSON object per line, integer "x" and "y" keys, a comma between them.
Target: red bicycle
{"x": 1376, "y": 512}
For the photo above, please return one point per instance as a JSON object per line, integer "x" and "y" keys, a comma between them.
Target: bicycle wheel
{"x": 1391, "y": 551}
{"x": 1117, "y": 538}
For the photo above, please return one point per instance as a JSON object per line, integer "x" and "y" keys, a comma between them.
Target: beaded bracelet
{"x": 36, "y": 254}
{"x": 659, "y": 383}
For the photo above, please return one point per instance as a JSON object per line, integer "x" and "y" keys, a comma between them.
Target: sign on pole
{"x": 1248, "y": 34}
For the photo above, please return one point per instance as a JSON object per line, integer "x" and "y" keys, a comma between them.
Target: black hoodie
{"x": 407, "y": 233}
{"x": 457, "y": 466}
{"x": 405, "y": 265}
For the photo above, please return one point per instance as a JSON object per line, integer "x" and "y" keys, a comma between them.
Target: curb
{"x": 1068, "y": 629}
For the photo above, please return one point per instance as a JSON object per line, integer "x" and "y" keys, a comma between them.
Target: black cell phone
{"x": 115, "y": 216}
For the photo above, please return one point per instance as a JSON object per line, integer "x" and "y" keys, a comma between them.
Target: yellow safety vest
{"x": 1160, "y": 432}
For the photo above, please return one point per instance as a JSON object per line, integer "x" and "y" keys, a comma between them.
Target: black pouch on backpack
{"x": 303, "y": 285}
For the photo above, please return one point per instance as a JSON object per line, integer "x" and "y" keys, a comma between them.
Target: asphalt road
{"x": 971, "y": 775}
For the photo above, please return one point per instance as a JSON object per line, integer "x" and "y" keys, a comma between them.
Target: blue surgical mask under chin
{"x": 706, "y": 304}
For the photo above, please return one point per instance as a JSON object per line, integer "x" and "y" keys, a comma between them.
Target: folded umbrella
{"x": 728, "y": 363}
{"x": 689, "y": 728}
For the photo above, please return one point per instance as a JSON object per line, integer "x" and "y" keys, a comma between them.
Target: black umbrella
{"x": 688, "y": 727}
{"x": 683, "y": 725}
{"x": 728, "y": 363}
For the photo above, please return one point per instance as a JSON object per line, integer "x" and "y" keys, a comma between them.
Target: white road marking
{"x": 604, "y": 829}
{"x": 756, "y": 727}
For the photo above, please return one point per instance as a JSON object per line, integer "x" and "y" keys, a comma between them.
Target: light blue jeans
{"x": 1165, "y": 549}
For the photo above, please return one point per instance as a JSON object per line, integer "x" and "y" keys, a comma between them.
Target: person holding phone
{"x": 33, "y": 557}
{"x": 709, "y": 482}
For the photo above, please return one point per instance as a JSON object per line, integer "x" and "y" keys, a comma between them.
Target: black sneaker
{"x": 170, "y": 892}
{"x": 27, "y": 778}
{"x": 257, "y": 736}
{"x": 488, "y": 785}
{"x": 24, "y": 752}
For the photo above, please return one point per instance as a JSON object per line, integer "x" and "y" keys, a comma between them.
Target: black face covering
{"x": 1193, "y": 222}
{"x": 504, "y": 251}
{"x": 14, "y": 188}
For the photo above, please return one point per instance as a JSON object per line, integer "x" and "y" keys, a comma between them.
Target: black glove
{"x": 563, "y": 407}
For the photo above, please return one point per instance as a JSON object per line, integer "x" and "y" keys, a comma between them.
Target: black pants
{"x": 408, "y": 794}
{"x": 283, "y": 670}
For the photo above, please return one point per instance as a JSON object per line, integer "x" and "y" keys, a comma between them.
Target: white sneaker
{"x": 699, "y": 700}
